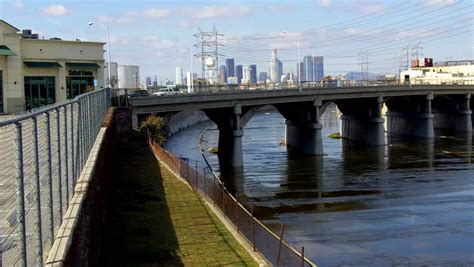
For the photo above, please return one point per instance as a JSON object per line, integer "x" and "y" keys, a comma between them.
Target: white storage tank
{"x": 128, "y": 77}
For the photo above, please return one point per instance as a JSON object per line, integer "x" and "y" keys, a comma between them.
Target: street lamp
{"x": 408, "y": 51}
{"x": 108, "y": 49}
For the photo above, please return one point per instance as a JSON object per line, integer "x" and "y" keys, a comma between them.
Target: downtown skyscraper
{"x": 309, "y": 68}
{"x": 318, "y": 68}
{"x": 274, "y": 67}
{"x": 239, "y": 73}
{"x": 229, "y": 65}
{"x": 253, "y": 74}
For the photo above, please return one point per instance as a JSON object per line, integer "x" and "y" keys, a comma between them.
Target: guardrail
{"x": 263, "y": 240}
{"x": 42, "y": 154}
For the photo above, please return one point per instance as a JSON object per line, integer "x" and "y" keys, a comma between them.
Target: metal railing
{"x": 42, "y": 154}
{"x": 263, "y": 240}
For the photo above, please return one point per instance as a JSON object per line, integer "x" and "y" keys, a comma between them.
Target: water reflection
{"x": 409, "y": 202}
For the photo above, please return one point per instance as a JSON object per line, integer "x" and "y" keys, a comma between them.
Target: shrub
{"x": 155, "y": 128}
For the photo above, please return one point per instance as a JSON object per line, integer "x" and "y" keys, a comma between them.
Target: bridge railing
{"x": 269, "y": 244}
{"x": 42, "y": 153}
{"x": 125, "y": 94}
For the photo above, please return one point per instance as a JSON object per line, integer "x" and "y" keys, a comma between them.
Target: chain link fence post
{"x": 20, "y": 194}
{"x": 50, "y": 176}
{"x": 73, "y": 151}
{"x": 66, "y": 160}
{"x": 39, "y": 230}
{"x": 60, "y": 189}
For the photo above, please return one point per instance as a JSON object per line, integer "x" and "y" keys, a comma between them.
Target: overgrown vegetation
{"x": 155, "y": 128}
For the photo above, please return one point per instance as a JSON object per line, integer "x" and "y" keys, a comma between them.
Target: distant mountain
{"x": 357, "y": 76}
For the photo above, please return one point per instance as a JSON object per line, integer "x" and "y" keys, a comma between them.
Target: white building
{"x": 128, "y": 77}
{"x": 37, "y": 72}
{"x": 179, "y": 76}
{"x": 448, "y": 72}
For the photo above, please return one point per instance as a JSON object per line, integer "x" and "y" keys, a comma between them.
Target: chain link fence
{"x": 41, "y": 156}
{"x": 263, "y": 240}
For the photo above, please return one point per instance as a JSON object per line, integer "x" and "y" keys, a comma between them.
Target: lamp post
{"x": 108, "y": 49}
{"x": 408, "y": 51}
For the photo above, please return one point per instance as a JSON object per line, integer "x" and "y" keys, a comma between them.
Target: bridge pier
{"x": 369, "y": 131}
{"x": 230, "y": 136}
{"x": 418, "y": 125}
{"x": 304, "y": 138}
{"x": 304, "y": 132}
{"x": 464, "y": 116}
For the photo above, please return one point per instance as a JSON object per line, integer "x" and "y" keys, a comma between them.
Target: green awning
{"x": 82, "y": 65}
{"x": 34, "y": 64}
{"x": 5, "y": 51}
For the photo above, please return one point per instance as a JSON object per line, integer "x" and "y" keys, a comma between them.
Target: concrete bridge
{"x": 412, "y": 111}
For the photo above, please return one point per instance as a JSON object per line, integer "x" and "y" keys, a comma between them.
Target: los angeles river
{"x": 409, "y": 202}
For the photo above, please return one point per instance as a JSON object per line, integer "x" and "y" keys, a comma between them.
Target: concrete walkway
{"x": 156, "y": 220}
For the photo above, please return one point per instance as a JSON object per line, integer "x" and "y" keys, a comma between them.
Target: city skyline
{"x": 161, "y": 33}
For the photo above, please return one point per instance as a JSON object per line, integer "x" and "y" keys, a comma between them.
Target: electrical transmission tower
{"x": 416, "y": 51}
{"x": 364, "y": 64}
{"x": 208, "y": 44}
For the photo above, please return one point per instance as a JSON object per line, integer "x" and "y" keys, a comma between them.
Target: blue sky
{"x": 158, "y": 35}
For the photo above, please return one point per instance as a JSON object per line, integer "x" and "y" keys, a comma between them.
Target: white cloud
{"x": 276, "y": 8}
{"x": 55, "y": 10}
{"x": 18, "y": 4}
{"x": 105, "y": 19}
{"x": 155, "y": 42}
{"x": 185, "y": 24}
{"x": 210, "y": 12}
{"x": 372, "y": 8}
{"x": 115, "y": 40}
{"x": 325, "y": 3}
{"x": 157, "y": 13}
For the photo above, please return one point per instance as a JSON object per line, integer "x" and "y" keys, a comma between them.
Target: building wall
{"x": 14, "y": 70}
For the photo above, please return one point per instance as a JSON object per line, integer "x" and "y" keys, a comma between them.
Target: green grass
{"x": 156, "y": 220}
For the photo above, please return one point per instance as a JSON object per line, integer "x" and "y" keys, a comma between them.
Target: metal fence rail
{"x": 271, "y": 245}
{"x": 41, "y": 156}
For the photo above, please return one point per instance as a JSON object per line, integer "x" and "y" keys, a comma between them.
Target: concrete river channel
{"x": 406, "y": 203}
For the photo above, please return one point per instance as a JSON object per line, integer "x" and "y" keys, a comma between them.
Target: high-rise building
{"x": 318, "y": 68}
{"x": 229, "y": 64}
{"x": 253, "y": 74}
{"x": 279, "y": 70}
{"x": 262, "y": 76}
{"x": 155, "y": 82}
{"x": 222, "y": 74}
{"x": 148, "y": 81}
{"x": 300, "y": 71}
{"x": 239, "y": 73}
{"x": 179, "y": 76}
{"x": 246, "y": 78}
{"x": 274, "y": 77}
{"x": 309, "y": 70}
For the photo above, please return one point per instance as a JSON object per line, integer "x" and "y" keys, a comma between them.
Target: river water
{"x": 407, "y": 203}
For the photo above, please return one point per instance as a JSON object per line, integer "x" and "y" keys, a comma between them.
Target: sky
{"x": 158, "y": 36}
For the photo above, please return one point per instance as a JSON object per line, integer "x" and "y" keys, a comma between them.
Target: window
{"x": 39, "y": 91}
{"x": 1, "y": 91}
